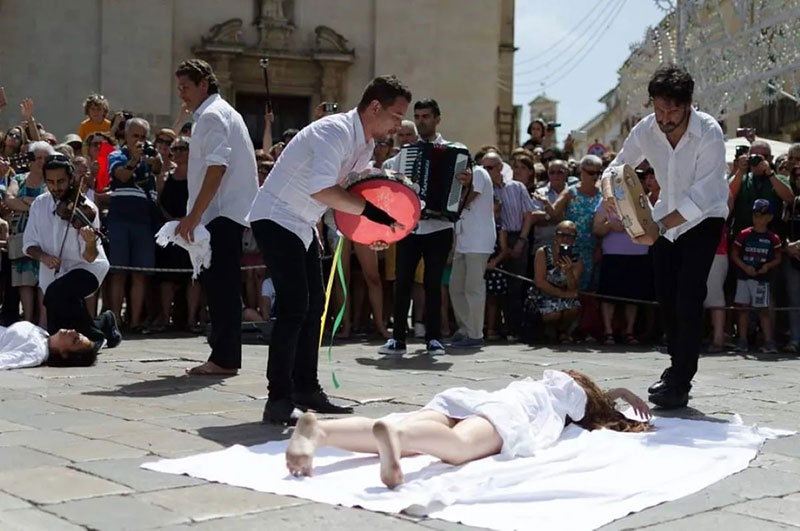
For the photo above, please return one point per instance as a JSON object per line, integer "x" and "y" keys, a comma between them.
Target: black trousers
{"x": 297, "y": 276}
{"x": 65, "y": 303}
{"x": 223, "y": 281}
{"x": 434, "y": 248}
{"x": 516, "y": 288}
{"x": 681, "y": 272}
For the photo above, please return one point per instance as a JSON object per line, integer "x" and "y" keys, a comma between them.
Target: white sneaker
{"x": 419, "y": 330}
{"x": 392, "y": 348}
{"x": 435, "y": 348}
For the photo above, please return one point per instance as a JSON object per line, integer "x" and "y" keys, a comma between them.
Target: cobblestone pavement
{"x": 71, "y": 440}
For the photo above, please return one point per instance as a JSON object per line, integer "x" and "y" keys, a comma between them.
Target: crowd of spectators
{"x": 534, "y": 256}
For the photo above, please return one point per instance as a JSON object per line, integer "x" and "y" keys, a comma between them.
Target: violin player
{"x": 63, "y": 234}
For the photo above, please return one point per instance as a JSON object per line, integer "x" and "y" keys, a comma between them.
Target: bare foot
{"x": 302, "y": 445}
{"x": 210, "y": 368}
{"x": 389, "y": 452}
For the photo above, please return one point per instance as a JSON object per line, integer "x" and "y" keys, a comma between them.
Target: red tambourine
{"x": 392, "y": 194}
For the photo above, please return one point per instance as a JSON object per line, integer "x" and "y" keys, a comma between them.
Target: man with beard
{"x": 73, "y": 261}
{"x": 687, "y": 151}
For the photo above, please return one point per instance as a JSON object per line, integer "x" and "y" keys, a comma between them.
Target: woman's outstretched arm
{"x": 639, "y": 406}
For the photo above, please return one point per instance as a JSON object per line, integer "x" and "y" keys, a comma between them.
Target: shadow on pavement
{"x": 246, "y": 434}
{"x": 423, "y": 362}
{"x": 688, "y": 413}
{"x": 164, "y": 386}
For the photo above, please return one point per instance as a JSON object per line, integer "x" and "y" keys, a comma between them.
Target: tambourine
{"x": 388, "y": 191}
{"x": 633, "y": 206}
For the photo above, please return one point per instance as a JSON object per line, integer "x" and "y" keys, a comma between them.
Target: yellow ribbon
{"x": 337, "y": 265}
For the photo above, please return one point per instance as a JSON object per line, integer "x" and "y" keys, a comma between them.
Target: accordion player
{"x": 433, "y": 169}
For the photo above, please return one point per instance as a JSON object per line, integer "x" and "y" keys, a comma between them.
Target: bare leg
{"x": 40, "y": 309}
{"x": 744, "y": 322}
{"x": 116, "y": 294}
{"x": 28, "y": 296}
{"x": 353, "y": 434}
{"x": 167, "y": 295}
{"x": 765, "y": 318}
{"x": 630, "y": 319}
{"x": 468, "y": 440}
{"x": 607, "y": 311}
{"x": 718, "y": 324}
{"x": 192, "y": 302}
{"x": 369, "y": 266}
{"x": 138, "y": 290}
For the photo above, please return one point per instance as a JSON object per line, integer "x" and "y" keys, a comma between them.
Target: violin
{"x": 74, "y": 208}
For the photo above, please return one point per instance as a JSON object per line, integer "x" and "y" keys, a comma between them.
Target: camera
{"x": 741, "y": 150}
{"x": 566, "y": 250}
{"x": 551, "y": 126}
{"x": 330, "y": 107}
{"x": 754, "y": 160}
{"x": 148, "y": 149}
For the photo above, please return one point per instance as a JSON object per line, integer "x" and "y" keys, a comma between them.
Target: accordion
{"x": 433, "y": 169}
{"x": 633, "y": 207}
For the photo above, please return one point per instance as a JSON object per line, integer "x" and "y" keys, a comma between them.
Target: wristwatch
{"x": 662, "y": 228}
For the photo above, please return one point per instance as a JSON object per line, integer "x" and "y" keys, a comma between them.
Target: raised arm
{"x": 640, "y": 407}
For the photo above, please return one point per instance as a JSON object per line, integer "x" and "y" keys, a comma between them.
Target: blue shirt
{"x": 131, "y": 201}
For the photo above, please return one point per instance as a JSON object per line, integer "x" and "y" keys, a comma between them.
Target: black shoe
{"x": 670, "y": 398}
{"x": 661, "y": 384}
{"x": 280, "y": 411}
{"x": 319, "y": 402}
{"x": 113, "y": 335}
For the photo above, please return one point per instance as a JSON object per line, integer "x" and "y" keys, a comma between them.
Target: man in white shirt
{"x": 73, "y": 263}
{"x": 222, "y": 179}
{"x": 306, "y": 180}
{"x": 23, "y": 344}
{"x": 687, "y": 151}
{"x": 431, "y": 241}
{"x": 475, "y": 238}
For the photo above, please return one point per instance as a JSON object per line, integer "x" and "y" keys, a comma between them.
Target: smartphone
{"x": 330, "y": 107}
{"x": 3, "y": 100}
{"x": 566, "y": 250}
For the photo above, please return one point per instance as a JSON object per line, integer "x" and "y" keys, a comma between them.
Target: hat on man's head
{"x": 74, "y": 141}
{"x": 762, "y": 206}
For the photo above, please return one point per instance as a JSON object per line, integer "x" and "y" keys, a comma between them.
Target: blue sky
{"x": 576, "y": 65}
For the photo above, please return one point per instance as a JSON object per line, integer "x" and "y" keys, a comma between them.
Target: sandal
{"x": 630, "y": 339}
{"x": 609, "y": 340}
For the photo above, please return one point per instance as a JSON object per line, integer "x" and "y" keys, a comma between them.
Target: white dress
{"x": 528, "y": 414}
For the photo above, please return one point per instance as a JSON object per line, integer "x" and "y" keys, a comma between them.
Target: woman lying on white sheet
{"x": 461, "y": 425}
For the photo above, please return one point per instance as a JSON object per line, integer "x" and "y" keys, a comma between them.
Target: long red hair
{"x": 600, "y": 411}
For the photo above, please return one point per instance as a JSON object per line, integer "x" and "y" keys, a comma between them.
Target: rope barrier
{"x": 186, "y": 270}
{"x": 647, "y": 302}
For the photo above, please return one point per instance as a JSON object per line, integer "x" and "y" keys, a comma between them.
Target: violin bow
{"x": 69, "y": 223}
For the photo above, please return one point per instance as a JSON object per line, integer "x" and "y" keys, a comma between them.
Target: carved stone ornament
{"x": 274, "y": 27}
{"x": 227, "y": 32}
{"x": 329, "y": 41}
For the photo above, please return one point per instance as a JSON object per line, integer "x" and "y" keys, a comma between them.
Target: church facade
{"x": 459, "y": 52}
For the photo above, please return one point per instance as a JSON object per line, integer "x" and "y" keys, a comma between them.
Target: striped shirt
{"x": 516, "y": 201}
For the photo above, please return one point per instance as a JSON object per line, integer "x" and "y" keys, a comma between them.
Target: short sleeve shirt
{"x": 757, "y": 249}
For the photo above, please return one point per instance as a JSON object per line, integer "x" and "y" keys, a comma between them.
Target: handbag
{"x": 15, "y": 251}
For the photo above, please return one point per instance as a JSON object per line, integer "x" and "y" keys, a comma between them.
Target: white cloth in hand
{"x": 199, "y": 250}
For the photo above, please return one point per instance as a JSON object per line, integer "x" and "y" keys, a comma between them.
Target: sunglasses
{"x": 556, "y": 172}
{"x": 179, "y": 149}
{"x": 163, "y": 140}
{"x": 14, "y": 135}
{"x": 57, "y": 157}
{"x": 490, "y": 167}
{"x": 570, "y": 235}
{"x": 593, "y": 173}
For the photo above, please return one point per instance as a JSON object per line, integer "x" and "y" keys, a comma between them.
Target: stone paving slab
{"x": 73, "y": 440}
{"x": 116, "y": 512}
{"x": 55, "y": 484}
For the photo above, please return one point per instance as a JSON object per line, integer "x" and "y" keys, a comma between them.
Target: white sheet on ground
{"x": 584, "y": 481}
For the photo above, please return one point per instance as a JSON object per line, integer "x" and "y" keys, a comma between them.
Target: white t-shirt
{"x": 475, "y": 228}
{"x": 22, "y": 344}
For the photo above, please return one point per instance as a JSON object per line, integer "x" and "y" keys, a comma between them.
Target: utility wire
{"x": 574, "y": 31}
{"x": 586, "y": 49}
